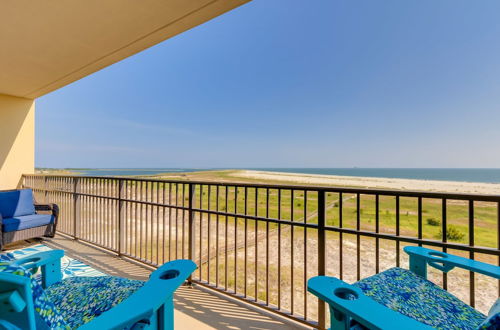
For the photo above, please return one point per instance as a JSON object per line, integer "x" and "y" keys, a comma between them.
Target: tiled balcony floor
{"x": 195, "y": 307}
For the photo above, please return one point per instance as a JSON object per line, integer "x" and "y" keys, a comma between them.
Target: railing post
{"x": 21, "y": 182}
{"x": 76, "y": 209}
{"x": 45, "y": 190}
{"x": 121, "y": 218}
{"x": 191, "y": 225}
{"x": 321, "y": 252}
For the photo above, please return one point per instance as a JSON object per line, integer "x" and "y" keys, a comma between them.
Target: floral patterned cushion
{"x": 80, "y": 299}
{"x": 43, "y": 305}
{"x": 409, "y": 294}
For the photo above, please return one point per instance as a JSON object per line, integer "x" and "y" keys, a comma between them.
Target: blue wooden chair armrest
{"x": 50, "y": 263}
{"x": 348, "y": 302}
{"x": 151, "y": 305}
{"x": 421, "y": 257}
{"x": 16, "y": 296}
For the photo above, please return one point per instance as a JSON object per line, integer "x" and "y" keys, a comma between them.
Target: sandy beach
{"x": 383, "y": 183}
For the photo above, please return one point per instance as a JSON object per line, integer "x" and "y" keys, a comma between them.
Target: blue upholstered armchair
{"x": 405, "y": 299}
{"x": 104, "y": 302}
{"x": 21, "y": 218}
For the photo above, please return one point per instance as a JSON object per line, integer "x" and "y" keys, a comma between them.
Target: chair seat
{"x": 411, "y": 295}
{"x": 26, "y": 222}
{"x": 80, "y": 299}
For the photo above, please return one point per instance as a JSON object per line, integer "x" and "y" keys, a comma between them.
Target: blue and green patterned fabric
{"x": 80, "y": 299}
{"x": 411, "y": 295}
{"x": 75, "y": 300}
{"x": 45, "y": 308}
{"x": 493, "y": 320}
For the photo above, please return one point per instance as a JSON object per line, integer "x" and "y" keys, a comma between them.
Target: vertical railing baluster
{"x": 305, "y": 255}
{"x": 226, "y": 238}
{"x": 245, "y": 236}
{"x": 121, "y": 218}
{"x": 267, "y": 247}
{"x": 177, "y": 221}
{"x": 397, "y": 233}
{"x": 190, "y": 224}
{"x": 170, "y": 220}
{"x": 279, "y": 248}
{"x": 235, "y": 238}
{"x": 256, "y": 233}
{"x": 341, "y": 237}
{"x": 128, "y": 234}
{"x": 136, "y": 221}
{"x": 45, "y": 201}
{"x": 108, "y": 215}
{"x": 183, "y": 237}
{"x": 151, "y": 215}
{"x": 472, "y": 286}
{"x": 321, "y": 251}
{"x": 358, "y": 238}
{"x": 76, "y": 201}
{"x": 444, "y": 237}
{"x": 157, "y": 233}
{"x": 377, "y": 241}
{"x": 209, "y": 221}
{"x": 419, "y": 215}
{"x": 217, "y": 237}
{"x": 141, "y": 224}
{"x": 164, "y": 209}
{"x": 201, "y": 234}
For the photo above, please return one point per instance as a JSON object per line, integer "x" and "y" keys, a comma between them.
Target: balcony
{"x": 259, "y": 243}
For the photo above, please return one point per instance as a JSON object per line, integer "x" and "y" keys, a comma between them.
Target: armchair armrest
{"x": 348, "y": 303}
{"x": 152, "y": 304}
{"x": 421, "y": 257}
{"x": 47, "y": 209}
{"x": 51, "y": 209}
{"x": 49, "y": 261}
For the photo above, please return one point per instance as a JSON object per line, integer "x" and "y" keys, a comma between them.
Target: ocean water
{"x": 487, "y": 175}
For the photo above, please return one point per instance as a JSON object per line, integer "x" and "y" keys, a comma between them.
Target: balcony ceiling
{"x": 45, "y": 45}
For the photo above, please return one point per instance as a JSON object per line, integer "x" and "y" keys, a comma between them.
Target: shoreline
{"x": 374, "y": 182}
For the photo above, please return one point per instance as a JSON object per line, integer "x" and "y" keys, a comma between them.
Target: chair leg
{"x": 166, "y": 315}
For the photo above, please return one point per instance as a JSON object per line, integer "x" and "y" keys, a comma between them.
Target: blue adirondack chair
{"x": 105, "y": 302}
{"x": 405, "y": 299}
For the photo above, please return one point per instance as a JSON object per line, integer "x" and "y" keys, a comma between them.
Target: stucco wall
{"x": 17, "y": 139}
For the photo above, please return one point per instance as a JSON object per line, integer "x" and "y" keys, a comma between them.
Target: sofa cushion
{"x": 26, "y": 222}
{"x": 16, "y": 203}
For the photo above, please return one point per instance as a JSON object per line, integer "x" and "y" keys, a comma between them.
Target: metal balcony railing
{"x": 261, "y": 242}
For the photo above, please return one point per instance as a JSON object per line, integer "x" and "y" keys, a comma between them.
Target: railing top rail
{"x": 353, "y": 190}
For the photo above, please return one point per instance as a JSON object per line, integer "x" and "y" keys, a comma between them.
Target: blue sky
{"x": 294, "y": 83}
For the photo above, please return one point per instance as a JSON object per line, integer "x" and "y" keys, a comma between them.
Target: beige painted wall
{"x": 17, "y": 139}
